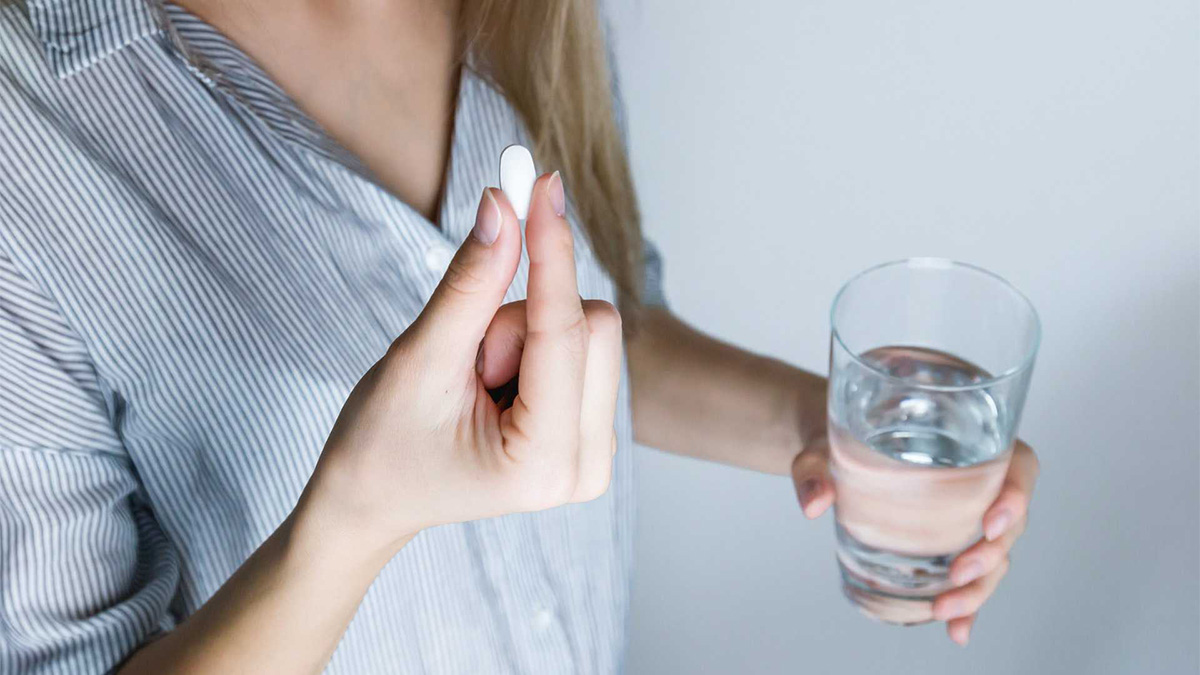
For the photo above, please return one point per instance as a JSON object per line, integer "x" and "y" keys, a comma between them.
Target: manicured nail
{"x": 967, "y": 573}
{"x": 487, "y": 219}
{"x": 479, "y": 360}
{"x": 558, "y": 200}
{"x": 997, "y": 525}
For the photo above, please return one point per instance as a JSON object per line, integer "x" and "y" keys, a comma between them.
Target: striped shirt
{"x": 193, "y": 276}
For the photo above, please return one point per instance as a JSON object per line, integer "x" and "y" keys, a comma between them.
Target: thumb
{"x": 461, "y": 307}
{"x": 810, "y": 473}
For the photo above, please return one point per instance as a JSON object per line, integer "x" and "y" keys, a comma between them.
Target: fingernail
{"x": 967, "y": 573}
{"x": 487, "y": 219}
{"x": 479, "y": 360}
{"x": 808, "y": 488}
{"x": 997, "y": 525}
{"x": 558, "y": 199}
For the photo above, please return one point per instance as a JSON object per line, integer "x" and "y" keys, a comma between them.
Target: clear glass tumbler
{"x": 930, "y": 361}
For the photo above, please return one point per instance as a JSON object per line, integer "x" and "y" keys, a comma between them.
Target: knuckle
{"x": 577, "y": 325}
{"x": 460, "y": 279}
{"x": 975, "y": 602}
{"x": 808, "y": 461}
{"x": 995, "y": 551}
{"x": 575, "y": 336}
{"x": 603, "y": 318}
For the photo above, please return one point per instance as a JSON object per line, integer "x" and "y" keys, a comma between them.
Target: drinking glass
{"x": 930, "y": 362}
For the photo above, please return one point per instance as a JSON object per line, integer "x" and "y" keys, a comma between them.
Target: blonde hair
{"x": 551, "y": 61}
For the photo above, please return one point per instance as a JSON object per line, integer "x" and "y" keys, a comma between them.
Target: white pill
{"x": 517, "y": 176}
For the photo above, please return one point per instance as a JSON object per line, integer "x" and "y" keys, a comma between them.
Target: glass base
{"x": 891, "y": 587}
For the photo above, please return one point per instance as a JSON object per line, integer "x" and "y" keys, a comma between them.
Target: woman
{"x": 217, "y": 216}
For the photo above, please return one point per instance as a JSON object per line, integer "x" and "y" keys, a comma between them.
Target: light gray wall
{"x": 779, "y": 147}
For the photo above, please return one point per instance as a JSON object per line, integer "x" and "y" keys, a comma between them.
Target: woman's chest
{"x": 238, "y": 317}
{"x": 233, "y": 280}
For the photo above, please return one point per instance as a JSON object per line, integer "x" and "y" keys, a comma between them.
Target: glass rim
{"x": 1024, "y": 364}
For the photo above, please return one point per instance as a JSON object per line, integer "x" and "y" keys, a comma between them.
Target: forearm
{"x": 694, "y": 395}
{"x": 283, "y": 611}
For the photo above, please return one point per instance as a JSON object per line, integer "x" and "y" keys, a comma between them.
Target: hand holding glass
{"x": 930, "y": 361}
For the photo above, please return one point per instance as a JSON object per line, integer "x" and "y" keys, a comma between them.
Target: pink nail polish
{"x": 487, "y": 219}
{"x": 558, "y": 198}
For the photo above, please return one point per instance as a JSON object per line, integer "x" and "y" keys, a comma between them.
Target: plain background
{"x": 779, "y": 147}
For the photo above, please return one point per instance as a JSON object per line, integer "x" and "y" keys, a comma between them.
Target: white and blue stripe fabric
{"x": 193, "y": 276}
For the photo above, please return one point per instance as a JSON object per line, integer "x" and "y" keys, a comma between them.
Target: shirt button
{"x": 438, "y": 258}
{"x": 542, "y": 619}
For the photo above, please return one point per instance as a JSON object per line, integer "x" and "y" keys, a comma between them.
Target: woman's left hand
{"x": 976, "y": 571}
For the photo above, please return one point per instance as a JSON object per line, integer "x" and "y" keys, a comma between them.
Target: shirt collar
{"x": 79, "y": 33}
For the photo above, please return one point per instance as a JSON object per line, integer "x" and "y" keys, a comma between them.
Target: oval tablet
{"x": 517, "y": 176}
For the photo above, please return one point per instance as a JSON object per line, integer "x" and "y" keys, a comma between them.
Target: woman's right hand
{"x": 420, "y": 441}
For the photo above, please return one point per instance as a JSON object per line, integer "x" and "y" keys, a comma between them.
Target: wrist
{"x": 797, "y": 400}
{"x": 809, "y": 418}
{"x": 340, "y": 530}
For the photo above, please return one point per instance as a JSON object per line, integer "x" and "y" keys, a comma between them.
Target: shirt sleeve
{"x": 86, "y": 573}
{"x": 652, "y": 265}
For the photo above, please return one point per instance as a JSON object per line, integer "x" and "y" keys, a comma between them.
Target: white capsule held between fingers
{"x": 517, "y": 177}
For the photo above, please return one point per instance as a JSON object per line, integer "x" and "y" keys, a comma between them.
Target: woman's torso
{"x": 231, "y": 273}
